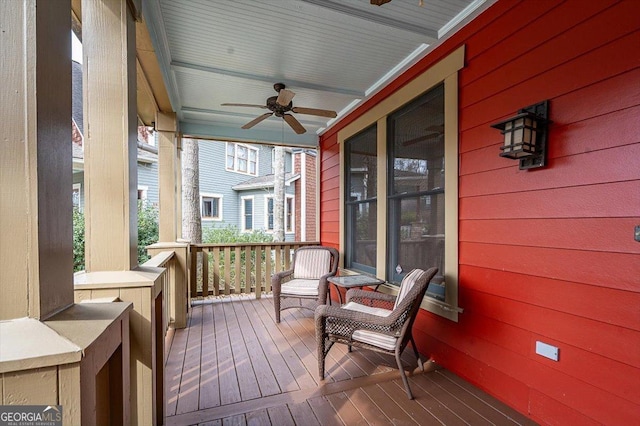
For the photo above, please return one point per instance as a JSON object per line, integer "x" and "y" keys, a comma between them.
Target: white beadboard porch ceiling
{"x": 331, "y": 53}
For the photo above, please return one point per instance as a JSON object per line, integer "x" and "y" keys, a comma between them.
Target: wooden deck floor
{"x": 234, "y": 365}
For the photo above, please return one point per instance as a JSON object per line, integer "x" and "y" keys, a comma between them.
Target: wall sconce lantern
{"x": 525, "y": 136}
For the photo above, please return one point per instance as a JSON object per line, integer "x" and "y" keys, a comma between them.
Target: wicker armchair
{"x": 375, "y": 321}
{"x": 305, "y": 284}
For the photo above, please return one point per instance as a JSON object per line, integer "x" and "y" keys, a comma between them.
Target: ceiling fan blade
{"x": 257, "y": 120}
{"x": 284, "y": 97}
{"x": 315, "y": 111}
{"x": 295, "y": 124}
{"x": 246, "y": 105}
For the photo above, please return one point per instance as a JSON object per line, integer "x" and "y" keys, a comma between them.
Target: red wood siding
{"x": 546, "y": 255}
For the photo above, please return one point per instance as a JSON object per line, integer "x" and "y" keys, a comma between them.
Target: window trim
{"x": 286, "y": 209}
{"x": 219, "y": 218}
{"x": 446, "y": 70}
{"x": 77, "y": 187}
{"x": 235, "y": 158}
{"x": 243, "y": 221}
{"x": 144, "y": 195}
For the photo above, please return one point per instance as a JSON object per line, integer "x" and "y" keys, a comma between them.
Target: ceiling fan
{"x": 281, "y": 105}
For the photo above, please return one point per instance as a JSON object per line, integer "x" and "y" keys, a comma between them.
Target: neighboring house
{"x": 147, "y": 153}
{"x": 237, "y": 188}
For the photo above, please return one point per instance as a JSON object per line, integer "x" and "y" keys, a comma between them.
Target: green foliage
{"x": 78, "y": 240}
{"x": 148, "y": 228}
{"x": 147, "y": 233}
{"x": 231, "y": 234}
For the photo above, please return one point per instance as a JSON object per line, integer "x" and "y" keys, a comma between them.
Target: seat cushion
{"x": 371, "y": 337}
{"x": 300, "y": 287}
{"x": 311, "y": 264}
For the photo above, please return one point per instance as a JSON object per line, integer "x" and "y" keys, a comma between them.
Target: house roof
{"x": 266, "y": 181}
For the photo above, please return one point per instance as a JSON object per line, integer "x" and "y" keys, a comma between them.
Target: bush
{"x": 147, "y": 233}
{"x": 231, "y": 234}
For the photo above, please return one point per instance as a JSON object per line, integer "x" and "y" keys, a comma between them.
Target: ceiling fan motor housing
{"x": 276, "y": 108}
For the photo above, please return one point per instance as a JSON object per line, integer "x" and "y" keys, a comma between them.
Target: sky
{"x": 76, "y": 48}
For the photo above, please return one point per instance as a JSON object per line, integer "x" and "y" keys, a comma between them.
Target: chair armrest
{"x": 327, "y": 316}
{"x": 277, "y": 278}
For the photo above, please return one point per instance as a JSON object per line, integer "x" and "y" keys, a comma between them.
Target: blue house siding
{"x": 216, "y": 180}
{"x": 148, "y": 178}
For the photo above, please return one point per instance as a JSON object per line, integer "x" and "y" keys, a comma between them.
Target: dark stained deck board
{"x": 209, "y": 373}
{"x": 235, "y": 344}
{"x": 228, "y": 380}
{"x": 273, "y": 342}
{"x": 259, "y": 361}
{"x": 190, "y": 382}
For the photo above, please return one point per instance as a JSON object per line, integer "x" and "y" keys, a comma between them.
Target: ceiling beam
{"x": 430, "y": 33}
{"x": 184, "y": 66}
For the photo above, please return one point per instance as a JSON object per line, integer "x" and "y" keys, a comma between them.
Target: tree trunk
{"x": 278, "y": 196}
{"x": 191, "y": 219}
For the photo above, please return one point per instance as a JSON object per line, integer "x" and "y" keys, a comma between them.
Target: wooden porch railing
{"x": 165, "y": 259}
{"x": 222, "y": 269}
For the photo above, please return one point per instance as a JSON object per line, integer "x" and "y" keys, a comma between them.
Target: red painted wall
{"x": 547, "y": 254}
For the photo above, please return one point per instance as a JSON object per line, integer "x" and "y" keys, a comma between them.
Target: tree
{"x": 191, "y": 219}
{"x": 278, "y": 196}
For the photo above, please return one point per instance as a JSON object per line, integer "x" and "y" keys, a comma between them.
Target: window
{"x": 242, "y": 159}
{"x": 75, "y": 195}
{"x": 211, "y": 206}
{"x": 360, "y": 208}
{"x": 416, "y": 204}
{"x": 142, "y": 192}
{"x": 247, "y": 213}
{"x": 289, "y": 215}
{"x": 416, "y": 186}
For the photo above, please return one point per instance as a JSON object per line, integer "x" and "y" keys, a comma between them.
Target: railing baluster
{"x": 247, "y": 269}
{"x": 216, "y": 271}
{"x": 267, "y": 270}
{"x": 205, "y": 272}
{"x": 287, "y": 257}
{"x": 194, "y": 272}
{"x": 227, "y": 270}
{"x": 237, "y": 285}
{"x": 278, "y": 267}
{"x": 258, "y": 264}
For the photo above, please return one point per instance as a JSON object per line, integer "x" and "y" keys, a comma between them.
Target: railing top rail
{"x": 276, "y": 244}
{"x": 160, "y": 259}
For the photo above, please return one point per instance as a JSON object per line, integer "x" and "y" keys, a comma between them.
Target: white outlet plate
{"x": 547, "y": 351}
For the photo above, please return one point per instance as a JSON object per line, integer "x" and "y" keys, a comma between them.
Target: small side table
{"x": 354, "y": 281}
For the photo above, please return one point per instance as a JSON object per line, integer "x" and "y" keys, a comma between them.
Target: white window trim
{"x": 293, "y": 213}
{"x": 242, "y": 215}
{"x": 77, "y": 187}
{"x": 220, "y": 209}
{"x": 145, "y": 192}
{"x": 446, "y": 70}
{"x": 235, "y": 158}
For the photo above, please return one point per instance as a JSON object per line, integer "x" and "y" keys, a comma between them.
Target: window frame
{"x": 287, "y": 214}
{"x": 243, "y": 215}
{"x": 235, "y": 168}
{"x": 444, "y": 71}
{"x": 219, "y": 197}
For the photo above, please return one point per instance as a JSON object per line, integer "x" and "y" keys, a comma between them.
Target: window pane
{"x": 242, "y": 152}
{"x": 361, "y": 215}
{"x": 289, "y": 218}
{"x": 207, "y": 207}
{"x": 416, "y": 199}
{"x": 362, "y": 236}
{"x": 242, "y": 165}
{"x": 252, "y": 168}
{"x": 230, "y": 149}
{"x": 362, "y": 150}
{"x": 270, "y": 214}
{"x": 248, "y": 214}
{"x": 252, "y": 155}
{"x": 417, "y": 144}
{"x": 215, "y": 205}
{"x": 230, "y": 162}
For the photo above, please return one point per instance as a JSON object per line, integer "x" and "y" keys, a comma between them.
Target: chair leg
{"x": 415, "y": 351}
{"x": 276, "y": 305}
{"x": 404, "y": 376}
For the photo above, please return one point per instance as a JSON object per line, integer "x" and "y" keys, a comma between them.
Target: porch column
{"x": 109, "y": 75}
{"x": 36, "y": 252}
{"x": 168, "y": 171}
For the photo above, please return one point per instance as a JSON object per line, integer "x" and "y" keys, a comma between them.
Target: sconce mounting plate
{"x": 540, "y": 109}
